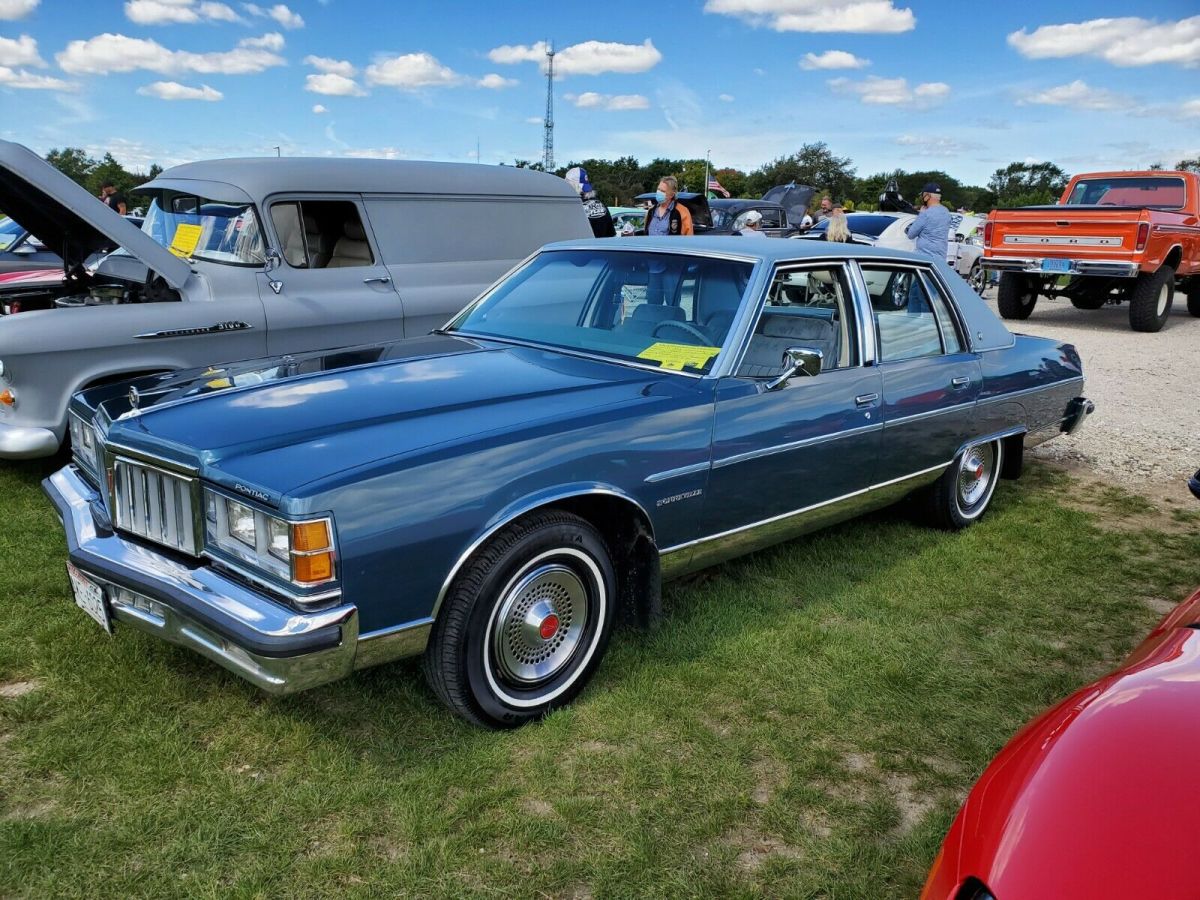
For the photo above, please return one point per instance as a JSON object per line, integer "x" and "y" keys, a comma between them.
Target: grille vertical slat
{"x": 155, "y": 504}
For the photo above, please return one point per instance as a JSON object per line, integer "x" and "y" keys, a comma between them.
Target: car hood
{"x": 282, "y": 423}
{"x": 1093, "y": 798}
{"x": 69, "y": 220}
{"x": 792, "y": 197}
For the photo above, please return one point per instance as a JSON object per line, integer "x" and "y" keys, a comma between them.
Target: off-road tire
{"x": 1147, "y": 309}
{"x": 958, "y": 498}
{"x": 465, "y": 662}
{"x": 1193, "y": 298}
{"x": 1016, "y": 296}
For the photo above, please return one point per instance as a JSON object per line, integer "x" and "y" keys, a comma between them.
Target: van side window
{"x": 321, "y": 234}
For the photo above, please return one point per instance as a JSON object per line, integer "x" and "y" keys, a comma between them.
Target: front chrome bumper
{"x": 1033, "y": 266}
{"x": 270, "y": 645}
{"x": 23, "y": 442}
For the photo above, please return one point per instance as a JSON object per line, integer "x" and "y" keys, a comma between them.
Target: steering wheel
{"x": 685, "y": 326}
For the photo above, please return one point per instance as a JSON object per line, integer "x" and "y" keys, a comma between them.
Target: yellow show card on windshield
{"x": 679, "y": 356}
{"x": 185, "y": 240}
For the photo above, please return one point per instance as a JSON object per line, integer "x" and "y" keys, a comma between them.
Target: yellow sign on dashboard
{"x": 679, "y": 356}
{"x": 185, "y": 240}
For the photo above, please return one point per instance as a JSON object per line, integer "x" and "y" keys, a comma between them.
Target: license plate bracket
{"x": 1056, "y": 265}
{"x": 89, "y": 597}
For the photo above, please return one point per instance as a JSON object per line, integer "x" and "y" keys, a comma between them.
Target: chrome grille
{"x": 155, "y": 504}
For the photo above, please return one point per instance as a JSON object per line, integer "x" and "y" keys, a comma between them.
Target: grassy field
{"x": 804, "y": 724}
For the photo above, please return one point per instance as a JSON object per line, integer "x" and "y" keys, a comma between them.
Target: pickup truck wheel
{"x": 1016, "y": 295}
{"x": 1193, "y": 300}
{"x": 1150, "y": 299}
{"x": 526, "y": 622}
{"x": 962, "y": 493}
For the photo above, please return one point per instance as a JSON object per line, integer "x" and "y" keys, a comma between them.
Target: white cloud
{"x": 279, "y": 12}
{"x": 117, "y": 53}
{"x": 860, "y": 16}
{"x": 319, "y": 109}
{"x": 932, "y": 145}
{"x": 609, "y": 102}
{"x": 377, "y": 153}
{"x": 534, "y": 120}
{"x": 891, "y": 91}
{"x": 177, "y": 12}
{"x": 1128, "y": 41}
{"x": 20, "y": 51}
{"x": 332, "y": 66}
{"x": 173, "y": 90}
{"x": 272, "y": 41}
{"x": 725, "y": 98}
{"x": 410, "y": 72}
{"x": 833, "y": 59}
{"x": 1078, "y": 95}
{"x": 587, "y": 58}
{"x": 333, "y": 84}
{"x": 23, "y": 80}
{"x": 17, "y": 9}
{"x": 495, "y": 82}
{"x": 1190, "y": 109}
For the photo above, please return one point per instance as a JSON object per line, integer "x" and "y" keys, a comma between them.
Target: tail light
{"x": 1143, "y": 235}
{"x": 987, "y": 233}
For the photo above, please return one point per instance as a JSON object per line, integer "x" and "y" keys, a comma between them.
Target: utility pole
{"x": 548, "y": 139}
{"x": 707, "y": 156}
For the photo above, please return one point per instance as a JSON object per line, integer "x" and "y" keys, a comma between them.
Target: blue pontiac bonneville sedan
{"x": 498, "y": 495}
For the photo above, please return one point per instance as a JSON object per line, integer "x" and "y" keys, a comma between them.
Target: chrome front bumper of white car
{"x": 21, "y": 442}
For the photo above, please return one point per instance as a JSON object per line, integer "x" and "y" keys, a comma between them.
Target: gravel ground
{"x": 1145, "y": 431}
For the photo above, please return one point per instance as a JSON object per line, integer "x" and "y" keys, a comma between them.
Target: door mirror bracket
{"x": 797, "y": 361}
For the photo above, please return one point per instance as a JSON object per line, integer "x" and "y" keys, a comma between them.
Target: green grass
{"x": 804, "y": 723}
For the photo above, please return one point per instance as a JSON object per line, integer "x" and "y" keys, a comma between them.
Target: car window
{"x": 904, "y": 314}
{"x": 805, "y": 308}
{"x": 10, "y": 231}
{"x": 951, "y": 342}
{"x": 771, "y": 218}
{"x": 321, "y": 234}
{"x": 669, "y": 310}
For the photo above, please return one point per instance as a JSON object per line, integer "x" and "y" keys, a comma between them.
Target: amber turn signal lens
{"x": 313, "y": 569}
{"x": 310, "y": 536}
{"x": 7, "y": 397}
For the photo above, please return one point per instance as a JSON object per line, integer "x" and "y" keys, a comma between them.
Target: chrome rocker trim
{"x": 275, "y": 648}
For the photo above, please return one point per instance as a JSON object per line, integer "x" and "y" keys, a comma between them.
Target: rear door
{"x": 331, "y": 288}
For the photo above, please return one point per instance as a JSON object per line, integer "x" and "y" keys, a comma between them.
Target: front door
{"x": 783, "y": 455}
{"x": 333, "y": 289}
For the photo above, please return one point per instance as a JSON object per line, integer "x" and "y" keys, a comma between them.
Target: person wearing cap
{"x": 751, "y": 224}
{"x": 931, "y": 228}
{"x": 598, "y": 215}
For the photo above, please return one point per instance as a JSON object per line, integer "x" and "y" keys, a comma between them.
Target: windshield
{"x": 196, "y": 228}
{"x": 10, "y": 231}
{"x": 859, "y": 223}
{"x": 1157, "y": 193}
{"x": 660, "y": 309}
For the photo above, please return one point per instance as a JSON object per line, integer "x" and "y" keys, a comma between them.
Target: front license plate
{"x": 1056, "y": 265}
{"x": 89, "y": 597}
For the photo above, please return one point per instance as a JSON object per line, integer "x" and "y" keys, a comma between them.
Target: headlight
{"x": 86, "y": 446}
{"x": 300, "y": 552}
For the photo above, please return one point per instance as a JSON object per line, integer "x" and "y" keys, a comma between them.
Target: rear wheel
{"x": 525, "y": 623}
{"x": 1193, "y": 298}
{"x": 1016, "y": 295}
{"x": 962, "y": 493}
{"x": 1150, "y": 299}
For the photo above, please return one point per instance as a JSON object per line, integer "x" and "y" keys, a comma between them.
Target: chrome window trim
{"x": 516, "y": 514}
{"x": 941, "y": 467}
{"x": 867, "y": 338}
{"x": 678, "y": 473}
{"x": 795, "y": 445}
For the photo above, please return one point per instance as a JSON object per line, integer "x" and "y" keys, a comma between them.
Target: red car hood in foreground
{"x": 1097, "y": 797}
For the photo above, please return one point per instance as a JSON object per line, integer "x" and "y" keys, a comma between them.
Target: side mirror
{"x": 272, "y": 260}
{"x": 958, "y": 238}
{"x": 798, "y": 361}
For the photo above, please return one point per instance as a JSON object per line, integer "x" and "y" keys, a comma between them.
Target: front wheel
{"x": 962, "y": 494}
{"x": 1016, "y": 296}
{"x": 526, "y": 622}
{"x": 1150, "y": 299}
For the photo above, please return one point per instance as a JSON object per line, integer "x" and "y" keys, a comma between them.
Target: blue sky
{"x": 961, "y": 86}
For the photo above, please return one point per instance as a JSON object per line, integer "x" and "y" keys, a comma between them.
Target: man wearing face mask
{"x": 668, "y": 217}
{"x": 598, "y": 215}
{"x": 931, "y": 228}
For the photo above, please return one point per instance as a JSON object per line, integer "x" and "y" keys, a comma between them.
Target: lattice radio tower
{"x": 548, "y": 139}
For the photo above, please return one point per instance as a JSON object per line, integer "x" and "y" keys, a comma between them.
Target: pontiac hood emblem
{"x": 134, "y": 398}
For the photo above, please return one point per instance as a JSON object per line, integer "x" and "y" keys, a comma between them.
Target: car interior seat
{"x": 718, "y": 296}
{"x": 351, "y": 248}
{"x": 318, "y": 242}
{"x": 646, "y": 317}
{"x": 777, "y": 332}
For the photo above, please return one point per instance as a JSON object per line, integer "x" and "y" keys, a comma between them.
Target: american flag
{"x": 714, "y": 185}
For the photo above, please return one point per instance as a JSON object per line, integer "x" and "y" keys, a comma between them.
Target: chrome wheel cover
{"x": 975, "y": 474}
{"x": 540, "y": 623}
{"x": 975, "y": 278}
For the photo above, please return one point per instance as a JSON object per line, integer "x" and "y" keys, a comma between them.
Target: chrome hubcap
{"x": 540, "y": 623}
{"x": 1163, "y": 296}
{"x": 975, "y": 475}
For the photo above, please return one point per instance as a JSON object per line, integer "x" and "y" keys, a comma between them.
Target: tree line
{"x": 91, "y": 173}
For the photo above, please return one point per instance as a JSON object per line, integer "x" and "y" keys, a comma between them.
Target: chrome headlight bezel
{"x": 257, "y": 548}
{"x": 87, "y": 447}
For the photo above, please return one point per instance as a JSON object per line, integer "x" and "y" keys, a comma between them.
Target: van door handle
{"x": 960, "y": 381}
{"x": 382, "y": 279}
{"x": 865, "y": 399}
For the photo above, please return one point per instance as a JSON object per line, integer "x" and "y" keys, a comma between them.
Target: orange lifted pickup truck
{"x": 1113, "y": 237}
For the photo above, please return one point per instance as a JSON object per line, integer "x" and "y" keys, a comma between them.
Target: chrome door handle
{"x": 960, "y": 382}
{"x": 382, "y": 279}
{"x": 866, "y": 399}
